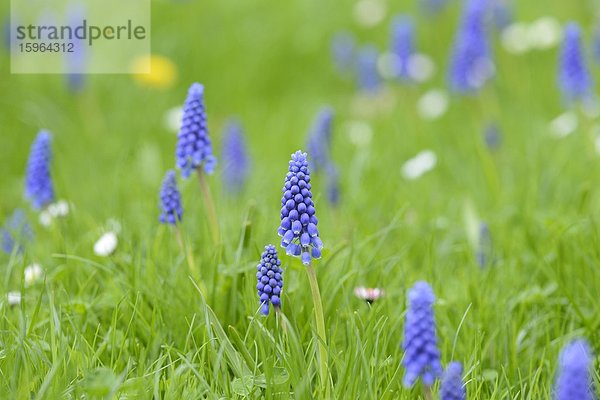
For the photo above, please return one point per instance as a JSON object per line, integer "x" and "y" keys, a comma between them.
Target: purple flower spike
{"x": 235, "y": 158}
{"x": 38, "y": 182}
{"x": 170, "y": 200}
{"x": 574, "y": 79}
{"x": 484, "y": 254}
{"x": 342, "y": 49}
{"x": 270, "y": 279}
{"x": 471, "y": 64}
{"x": 298, "y": 229}
{"x": 368, "y": 76}
{"x": 319, "y": 141}
{"x": 333, "y": 184}
{"x": 421, "y": 354}
{"x": 433, "y": 7}
{"x": 452, "y": 387}
{"x": 596, "y": 44}
{"x": 194, "y": 148}
{"x": 402, "y": 46}
{"x": 16, "y": 232}
{"x": 574, "y": 380}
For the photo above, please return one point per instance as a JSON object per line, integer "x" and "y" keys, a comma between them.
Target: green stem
{"x": 316, "y": 295}
{"x": 187, "y": 252}
{"x": 427, "y": 393}
{"x": 210, "y": 207}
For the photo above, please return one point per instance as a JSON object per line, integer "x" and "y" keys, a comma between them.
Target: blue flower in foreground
{"x": 574, "y": 79}
{"x": 38, "y": 182}
{"x": 421, "y": 354}
{"x": 194, "y": 148}
{"x": 319, "y": 140}
{"x": 234, "y": 157}
{"x": 270, "y": 279}
{"x": 452, "y": 387}
{"x": 342, "y": 49}
{"x": 298, "y": 229}
{"x": 574, "y": 380}
{"x": 16, "y": 232}
{"x": 367, "y": 74}
{"x": 402, "y": 46}
{"x": 170, "y": 200}
{"x": 470, "y": 64}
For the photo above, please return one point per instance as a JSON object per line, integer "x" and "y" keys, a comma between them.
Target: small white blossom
{"x": 359, "y": 133}
{"x": 544, "y": 33}
{"x": 420, "y": 67}
{"x": 423, "y": 162}
{"x": 58, "y": 209}
{"x": 106, "y": 245}
{"x": 45, "y": 218}
{"x": 13, "y": 298}
{"x": 172, "y": 119}
{"x": 387, "y": 65}
{"x": 515, "y": 38}
{"x": 564, "y": 124}
{"x": 433, "y": 104}
{"x": 369, "y": 13}
{"x": 33, "y": 273}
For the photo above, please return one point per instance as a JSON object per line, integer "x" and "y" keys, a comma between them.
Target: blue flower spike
{"x": 270, "y": 280}
{"x": 235, "y": 158}
{"x": 298, "y": 229}
{"x": 39, "y": 189}
{"x": 170, "y": 200}
{"x": 452, "y": 386}
{"x": 574, "y": 380}
{"x": 319, "y": 140}
{"x": 574, "y": 79}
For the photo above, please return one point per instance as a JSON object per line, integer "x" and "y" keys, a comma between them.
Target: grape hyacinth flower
{"x": 421, "y": 354}
{"x": 502, "y": 14}
{"x": 16, "y": 232}
{"x": 38, "y": 182}
{"x": 342, "y": 49}
{"x": 433, "y": 7}
{"x": 235, "y": 158}
{"x": 484, "y": 248}
{"x": 332, "y": 184}
{"x": 319, "y": 140}
{"x": 452, "y": 387}
{"x": 492, "y": 136}
{"x": 194, "y": 148}
{"x": 367, "y": 73}
{"x": 402, "y": 46}
{"x": 170, "y": 200}
{"x": 298, "y": 229}
{"x": 471, "y": 65}
{"x": 270, "y": 280}
{"x": 76, "y": 60}
{"x": 574, "y": 79}
{"x": 574, "y": 379}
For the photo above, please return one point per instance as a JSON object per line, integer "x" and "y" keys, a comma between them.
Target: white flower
{"x": 33, "y": 273}
{"x": 544, "y": 33}
{"x": 106, "y": 245}
{"x": 515, "y": 38}
{"x": 420, "y": 164}
{"x": 590, "y": 107}
{"x": 433, "y": 104}
{"x": 369, "y": 13}
{"x": 45, "y": 218}
{"x": 13, "y": 298}
{"x": 386, "y": 65}
{"x": 58, "y": 209}
{"x": 420, "y": 67}
{"x": 359, "y": 133}
{"x": 564, "y": 124}
{"x": 172, "y": 118}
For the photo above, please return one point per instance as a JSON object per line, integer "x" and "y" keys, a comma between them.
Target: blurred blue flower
{"x": 333, "y": 184}
{"x": 367, "y": 73}
{"x": 38, "y": 182}
{"x": 502, "y": 14}
{"x": 433, "y": 7}
{"x": 170, "y": 200}
{"x": 343, "y": 49}
{"x": 194, "y": 148}
{"x": 471, "y": 64}
{"x": 492, "y": 136}
{"x": 484, "y": 248}
{"x": 574, "y": 79}
{"x": 596, "y": 44}
{"x": 402, "y": 45}
{"x": 270, "y": 279}
{"x": 234, "y": 155}
{"x": 298, "y": 228}
{"x": 452, "y": 387}
{"x": 421, "y": 354}
{"x": 75, "y": 61}
{"x": 574, "y": 380}
{"x": 319, "y": 139}
{"x": 16, "y": 232}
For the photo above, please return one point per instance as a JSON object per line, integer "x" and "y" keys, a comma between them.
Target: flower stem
{"x": 316, "y": 295}
{"x": 427, "y": 393}
{"x": 210, "y": 207}
{"x": 187, "y": 252}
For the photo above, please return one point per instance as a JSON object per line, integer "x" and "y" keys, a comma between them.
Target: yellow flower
{"x": 163, "y": 72}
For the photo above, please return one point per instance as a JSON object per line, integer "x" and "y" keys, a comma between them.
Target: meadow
{"x": 149, "y": 320}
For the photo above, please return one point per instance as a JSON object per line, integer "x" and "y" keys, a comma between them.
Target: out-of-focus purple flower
{"x": 452, "y": 387}
{"x": 298, "y": 229}
{"x": 16, "y": 232}
{"x": 194, "y": 148}
{"x": 492, "y": 136}
{"x": 421, "y": 354}
{"x": 235, "y": 158}
{"x": 270, "y": 279}
{"x": 484, "y": 248}
{"x": 574, "y": 380}
{"x": 343, "y": 51}
{"x": 502, "y": 14}
{"x": 170, "y": 200}
{"x": 367, "y": 74}
{"x": 38, "y": 182}
{"x": 333, "y": 184}
{"x": 433, "y": 7}
{"x": 471, "y": 65}
{"x": 319, "y": 139}
{"x": 75, "y": 61}
{"x": 402, "y": 46}
{"x": 596, "y": 44}
{"x": 574, "y": 79}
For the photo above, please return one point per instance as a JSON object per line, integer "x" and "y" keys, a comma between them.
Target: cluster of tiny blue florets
{"x": 574, "y": 381}
{"x": 194, "y": 148}
{"x": 367, "y": 74}
{"x": 402, "y": 46}
{"x": 270, "y": 279}
{"x": 298, "y": 229}
{"x": 421, "y": 354}
{"x": 574, "y": 79}
{"x": 170, "y": 200}
{"x": 234, "y": 158}
{"x": 319, "y": 140}
{"x": 452, "y": 387}
{"x": 38, "y": 182}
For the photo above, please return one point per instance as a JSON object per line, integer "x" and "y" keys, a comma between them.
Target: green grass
{"x": 136, "y": 324}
